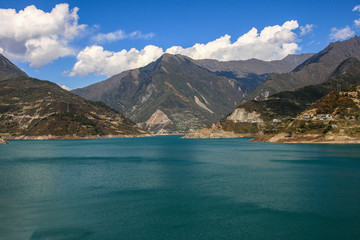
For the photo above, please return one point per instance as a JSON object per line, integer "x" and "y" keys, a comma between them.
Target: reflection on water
{"x": 171, "y": 188}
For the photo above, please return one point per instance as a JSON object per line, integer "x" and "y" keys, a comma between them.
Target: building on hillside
{"x": 324, "y": 117}
{"x": 308, "y": 116}
{"x": 275, "y": 120}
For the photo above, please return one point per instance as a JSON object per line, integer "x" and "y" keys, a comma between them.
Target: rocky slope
{"x": 314, "y": 70}
{"x": 172, "y": 94}
{"x": 32, "y": 108}
{"x": 274, "y": 113}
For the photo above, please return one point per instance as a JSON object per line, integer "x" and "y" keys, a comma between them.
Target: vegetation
{"x": 32, "y": 107}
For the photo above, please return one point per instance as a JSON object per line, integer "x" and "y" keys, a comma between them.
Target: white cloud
{"x": 95, "y": 59}
{"x": 306, "y": 29}
{"x": 36, "y": 36}
{"x": 356, "y": 8}
{"x": 272, "y": 43}
{"x": 119, "y": 35}
{"x": 341, "y": 34}
{"x": 65, "y": 87}
{"x": 357, "y": 22}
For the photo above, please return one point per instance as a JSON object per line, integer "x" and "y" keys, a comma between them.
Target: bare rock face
{"x": 159, "y": 117}
{"x": 157, "y": 123}
{"x": 241, "y": 115}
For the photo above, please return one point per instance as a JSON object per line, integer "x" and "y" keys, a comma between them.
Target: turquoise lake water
{"x": 171, "y": 188}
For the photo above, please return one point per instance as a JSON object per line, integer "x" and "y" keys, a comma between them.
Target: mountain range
{"x": 314, "y": 70}
{"x": 177, "y": 94}
{"x": 253, "y": 117}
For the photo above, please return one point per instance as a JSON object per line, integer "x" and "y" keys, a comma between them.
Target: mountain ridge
{"x": 314, "y": 70}
{"x": 8, "y": 69}
{"x": 32, "y": 108}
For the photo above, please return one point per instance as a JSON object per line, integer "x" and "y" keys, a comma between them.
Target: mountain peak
{"x": 7, "y": 69}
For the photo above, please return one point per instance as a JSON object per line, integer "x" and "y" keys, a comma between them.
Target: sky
{"x": 78, "y": 43}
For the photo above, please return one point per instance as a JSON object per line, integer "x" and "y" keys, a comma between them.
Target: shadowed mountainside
{"x": 314, "y": 70}
{"x": 8, "y": 69}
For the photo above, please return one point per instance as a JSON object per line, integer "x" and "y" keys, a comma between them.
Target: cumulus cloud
{"x": 341, "y": 34}
{"x": 119, "y": 35}
{"x": 272, "y": 43}
{"x": 36, "y": 36}
{"x": 308, "y": 28}
{"x": 95, "y": 59}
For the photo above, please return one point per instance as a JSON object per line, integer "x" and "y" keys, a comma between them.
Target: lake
{"x": 170, "y": 188}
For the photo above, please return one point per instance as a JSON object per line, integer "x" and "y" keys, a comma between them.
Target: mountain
{"x": 253, "y": 72}
{"x": 254, "y": 66}
{"x": 8, "y": 69}
{"x": 314, "y": 70}
{"x": 335, "y": 118}
{"x": 172, "y": 94}
{"x": 261, "y": 115}
{"x": 32, "y": 108}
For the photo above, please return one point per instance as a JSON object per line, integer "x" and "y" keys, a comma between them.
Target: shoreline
{"x": 306, "y": 139}
{"x": 70, "y": 137}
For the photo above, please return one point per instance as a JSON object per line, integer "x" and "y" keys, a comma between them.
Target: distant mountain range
{"x": 314, "y": 70}
{"x": 257, "y": 116}
{"x": 179, "y": 94}
{"x": 254, "y": 66}
{"x": 176, "y": 94}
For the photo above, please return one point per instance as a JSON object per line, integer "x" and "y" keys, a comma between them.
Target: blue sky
{"x": 82, "y": 42}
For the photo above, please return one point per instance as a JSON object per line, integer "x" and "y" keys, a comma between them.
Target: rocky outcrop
{"x": 157, "y": 123}
{"x": 158, "y": 117}
{"x": 3, "y": 141}
{"x": 241, "y": 115}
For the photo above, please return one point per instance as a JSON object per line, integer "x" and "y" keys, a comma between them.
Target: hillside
{"x": 8, "y": 69}
{"x": 335, "y": 118}
{"x": 314, "y": 70}
{"x": 170, "y": 95}
{"x": 259, "y": 116}
{"x": 32, "y": 108}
